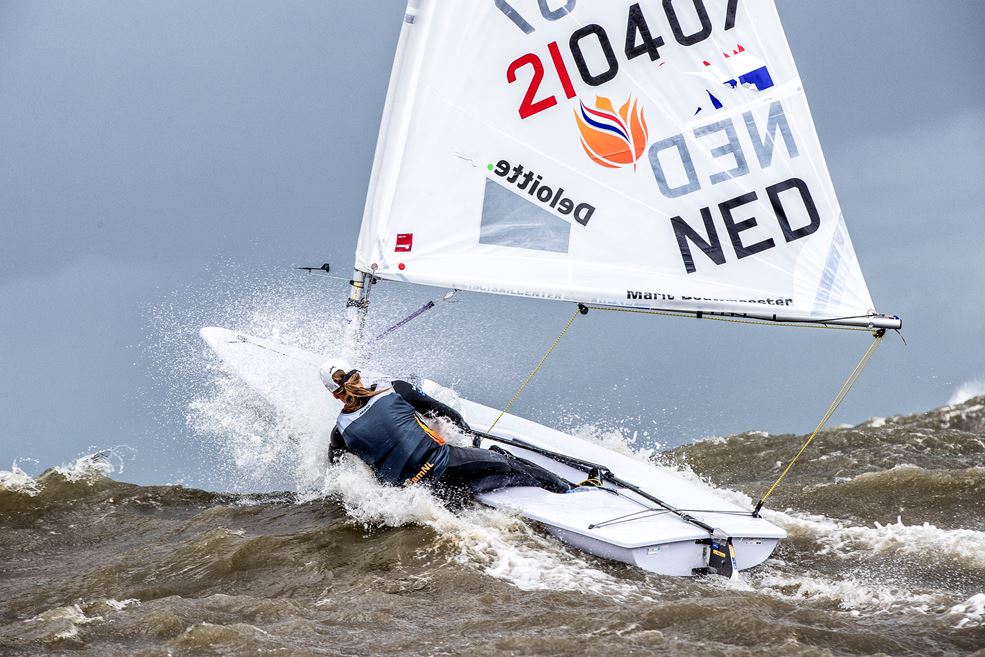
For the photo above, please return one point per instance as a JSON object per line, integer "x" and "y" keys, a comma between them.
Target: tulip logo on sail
{"x": 613, "y": 139}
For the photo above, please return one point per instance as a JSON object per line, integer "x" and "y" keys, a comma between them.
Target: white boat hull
{"x": 679, "y": 559}
{"x": 612, "y": 523}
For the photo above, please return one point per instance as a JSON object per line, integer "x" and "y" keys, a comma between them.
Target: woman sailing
{"x": 386, "y": 429}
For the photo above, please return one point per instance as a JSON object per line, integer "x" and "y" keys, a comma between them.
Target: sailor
{"x": 385, "y": 428}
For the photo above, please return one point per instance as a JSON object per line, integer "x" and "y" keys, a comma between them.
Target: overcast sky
{"x": 164, "y": 164}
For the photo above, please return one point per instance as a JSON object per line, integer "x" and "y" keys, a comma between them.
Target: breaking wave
{"x": 884, "y": 554}
{"x": 196, "y": 571}
{"x": 968, "y": 390}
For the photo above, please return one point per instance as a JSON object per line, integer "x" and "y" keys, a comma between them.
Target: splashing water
{"x": 968, "y": 390}
{"x": 500, "y": 544}
{"x": 832, "y": 568}
{"x": 16, "y": 480}
{"x": 87, "y": 468}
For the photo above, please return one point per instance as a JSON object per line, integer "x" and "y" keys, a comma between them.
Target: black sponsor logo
{"x": 533, "y": 184}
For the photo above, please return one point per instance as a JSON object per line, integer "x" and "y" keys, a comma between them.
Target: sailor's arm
{"x": 429, "y": 406}
{"x": 336, "y": 446}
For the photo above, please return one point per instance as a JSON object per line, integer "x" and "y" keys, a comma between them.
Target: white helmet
{"x": 329, "y": 367}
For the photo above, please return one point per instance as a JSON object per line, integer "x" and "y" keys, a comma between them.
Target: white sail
{"x": 655, "y": 154}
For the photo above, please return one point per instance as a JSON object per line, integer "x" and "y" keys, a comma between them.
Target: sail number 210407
{"x": 639, "y": 41}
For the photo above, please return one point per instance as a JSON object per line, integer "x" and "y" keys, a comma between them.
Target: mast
{"x": 356, "y": 308}
{"x": 389, "y": 146}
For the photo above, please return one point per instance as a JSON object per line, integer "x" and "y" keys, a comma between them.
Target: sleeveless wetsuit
{"x": 388, "y": 434}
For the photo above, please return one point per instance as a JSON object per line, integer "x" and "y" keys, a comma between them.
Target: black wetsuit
{"x": 399, "y": 452}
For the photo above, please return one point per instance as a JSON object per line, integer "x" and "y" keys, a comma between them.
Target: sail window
{"x": 509, "y": 219}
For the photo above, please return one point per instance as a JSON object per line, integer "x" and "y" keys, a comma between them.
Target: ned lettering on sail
{"x": 783, "y": 195}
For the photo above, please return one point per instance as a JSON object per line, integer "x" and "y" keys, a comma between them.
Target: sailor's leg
{"x": 481, "y": 471}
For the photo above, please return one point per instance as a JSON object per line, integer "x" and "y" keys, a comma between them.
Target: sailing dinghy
{"x": 653, "y": 156}
{"x": 666, "y": 525}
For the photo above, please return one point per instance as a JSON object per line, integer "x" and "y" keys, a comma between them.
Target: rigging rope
{"x": 836, "y": 402}
{"x": 584, "y": 308}
{"x": 840, "y": 397}
{"x": 579, "y": 311}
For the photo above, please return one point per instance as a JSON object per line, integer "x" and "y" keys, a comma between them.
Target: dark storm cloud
{"x": 145, "y": 142}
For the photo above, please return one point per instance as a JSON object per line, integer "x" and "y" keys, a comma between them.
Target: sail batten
{"x": 634, "y": 154}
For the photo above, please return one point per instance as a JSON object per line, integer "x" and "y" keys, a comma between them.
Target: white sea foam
{"x": 968, "y": 390}
{"x": 119, "y": 605}
{"x": 849, "y": 594}
{"x": 86, "y": 468}
{"x": 505, "y": 547}
{"x": 91, "y": 467}
{"x": 847, "y": 541}
{"x": 18, "y": 481}
{"x": 260, "y": 448}
{"x": 246, "y": 445}
{"x": 843, "y": 540}
{"x": 970, "y": 613}
{"x": 617, "y": 440}
{"x": 62, "y": 623}
{"x": 500, "y": 544}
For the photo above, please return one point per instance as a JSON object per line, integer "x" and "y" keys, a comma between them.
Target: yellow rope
{"x": 665, "y": 313}
{"x": 846, "y": 387}
{"x": 536, "y": 369}
{"x": 840, "y": 397}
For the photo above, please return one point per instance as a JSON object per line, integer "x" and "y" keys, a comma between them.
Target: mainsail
{"x": 652, "y": 154}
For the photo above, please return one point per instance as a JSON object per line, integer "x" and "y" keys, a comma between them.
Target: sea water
{"x": 885, "y": 554}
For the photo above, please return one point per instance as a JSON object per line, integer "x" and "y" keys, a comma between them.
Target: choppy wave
{"x": 882, "y": 558}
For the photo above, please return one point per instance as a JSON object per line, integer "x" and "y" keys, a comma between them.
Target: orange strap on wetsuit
{"x": 429, "y": 431}
{"x": 426, "y": 468}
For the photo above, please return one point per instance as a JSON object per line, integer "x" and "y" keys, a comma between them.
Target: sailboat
{"x": 652, "y": 156}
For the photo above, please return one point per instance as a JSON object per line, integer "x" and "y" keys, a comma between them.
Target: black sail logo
{"x": 532, "y": 184}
